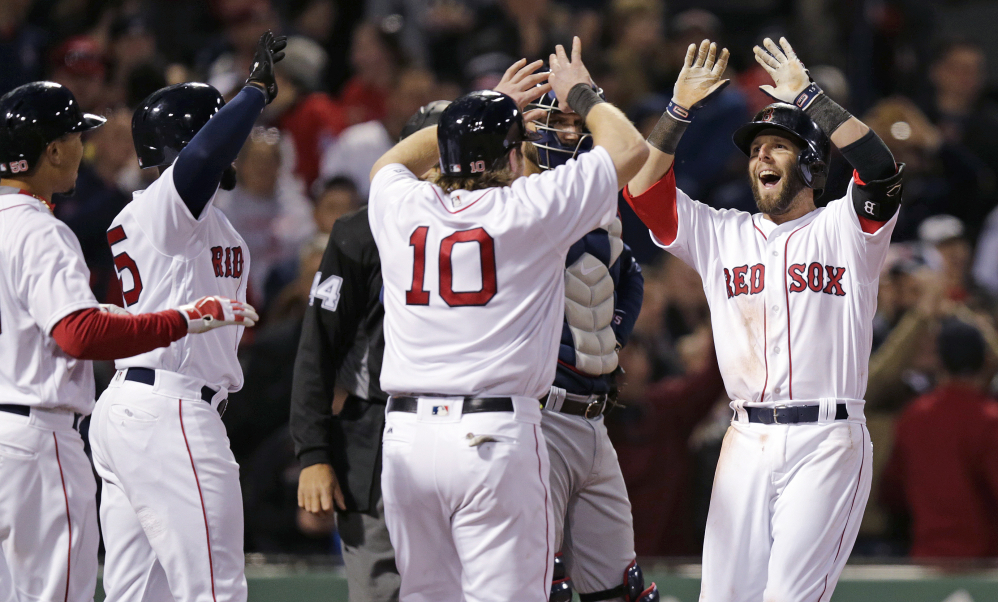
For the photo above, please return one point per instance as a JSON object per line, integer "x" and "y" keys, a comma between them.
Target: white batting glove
{"x": 208, "y": 313}
{"x": 700, "y": 77}
{"x": 110, "y": 308}
{"x": 788, "y": 73}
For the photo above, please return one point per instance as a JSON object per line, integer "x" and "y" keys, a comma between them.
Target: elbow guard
{"x": 878, "y": 200}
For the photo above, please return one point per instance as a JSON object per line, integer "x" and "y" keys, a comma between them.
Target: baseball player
{"x": 594, "y": 533}
{"x": 792, "y": 293}
{"x": 473, "y": 269}
{"x": 341, "y": 347}
{"x": 171, "y": 509}
{"x": 51, "y": 325}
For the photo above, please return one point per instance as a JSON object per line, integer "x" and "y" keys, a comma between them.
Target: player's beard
{"x": 792, "y": 184}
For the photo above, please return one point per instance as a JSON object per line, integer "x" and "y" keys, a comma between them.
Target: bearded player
{"x": 792, "y": 293}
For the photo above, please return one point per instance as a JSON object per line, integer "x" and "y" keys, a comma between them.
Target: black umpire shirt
{"x": 342, "y": 344}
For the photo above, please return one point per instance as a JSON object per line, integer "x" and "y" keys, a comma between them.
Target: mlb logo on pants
{"x": 441, "y": 410}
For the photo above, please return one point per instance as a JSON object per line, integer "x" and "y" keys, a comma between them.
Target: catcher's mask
{"x": 557, "y": 144}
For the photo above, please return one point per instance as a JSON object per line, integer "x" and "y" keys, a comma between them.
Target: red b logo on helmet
{"x": 767, "y": 115}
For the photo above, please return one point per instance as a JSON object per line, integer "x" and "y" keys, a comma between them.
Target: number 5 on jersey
{"x": 418, "y": 295}
{"x": 123, "y": 262}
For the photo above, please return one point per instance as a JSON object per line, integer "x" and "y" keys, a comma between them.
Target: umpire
{"x": 340, "y": 353}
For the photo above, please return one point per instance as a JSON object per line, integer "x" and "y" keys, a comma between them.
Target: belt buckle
{"x": 775, "y": 415}
{"x": 600, "y": 402}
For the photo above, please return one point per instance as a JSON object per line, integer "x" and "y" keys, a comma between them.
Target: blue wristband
{"x": 805, "y": 98}
{"x": 679, "y": 113}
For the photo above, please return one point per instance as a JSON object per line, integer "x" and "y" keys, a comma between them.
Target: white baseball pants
{"x": 593, "y": 525}
{"x": 785, "y": 510}
{"x": 171, "y": 507}
{"x": 48, "y": 510}
{"x": 467, "y": 503}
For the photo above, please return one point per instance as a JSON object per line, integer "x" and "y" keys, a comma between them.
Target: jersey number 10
{"x": 417, "y": 295}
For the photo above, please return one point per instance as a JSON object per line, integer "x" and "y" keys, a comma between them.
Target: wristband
{"x": 679, "y": 113}
{"x": 807, "y": 96}
{"x": 582, "y": 98}
{"x": 826, "y": 113}
{"x": 669, "y": 129}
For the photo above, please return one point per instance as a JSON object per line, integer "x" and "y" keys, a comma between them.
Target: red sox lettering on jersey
{"x": 818, "y": 278}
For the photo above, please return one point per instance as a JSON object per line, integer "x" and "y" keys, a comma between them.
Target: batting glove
{"x": 268, "y": 51}
{"x": 208, "y": 313}
{"x": 110, "y": 308}
{"x": 787, "y": 71}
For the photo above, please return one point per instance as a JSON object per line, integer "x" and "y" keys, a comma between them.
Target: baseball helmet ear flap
{"x": 813, "y": 169}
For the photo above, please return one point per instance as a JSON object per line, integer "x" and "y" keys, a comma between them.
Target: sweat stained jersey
{"x": 166, "y": 258}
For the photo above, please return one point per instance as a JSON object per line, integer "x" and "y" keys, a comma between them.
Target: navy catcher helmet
{"x": 476, "y": 132}
{"x": 31, "y": 117}
{"x": 168, "y": 118}
{"x": 552, "y": 151}
{"x": 815, "y": 147}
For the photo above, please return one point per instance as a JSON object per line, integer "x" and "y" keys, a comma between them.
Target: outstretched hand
{"x": 566, "y": 73}
{"x": 522, "y": 84}
{"x": 700, "y": 77}
{"x": 787, "y": 71}
{"x": 269, "y": 50}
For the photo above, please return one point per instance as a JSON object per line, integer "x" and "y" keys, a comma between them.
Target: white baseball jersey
{"x": 43, "y": 280}
{"x": 791, "y": 305}
{"x": 474, "y": 281}
{"x": 166, "y": 258}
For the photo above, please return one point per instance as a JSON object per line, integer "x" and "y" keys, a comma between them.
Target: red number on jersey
{"x": 417, "y": 295}
{"x": 123, "y": 262}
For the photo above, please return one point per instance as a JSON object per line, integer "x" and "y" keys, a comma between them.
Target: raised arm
{"x": 698, "y": 81}
{"x": 202, "y": 163}
{"x": 611, "y": 130}
{"x": 878, "y": 179}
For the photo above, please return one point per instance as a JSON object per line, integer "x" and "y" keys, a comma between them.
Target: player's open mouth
{"x": 769, "y": 178}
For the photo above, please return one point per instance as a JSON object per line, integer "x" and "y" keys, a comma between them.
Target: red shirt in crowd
{"x": 315, "y": 117}
{"x": 362, "y": 101}
{"x": 944, "y": 471}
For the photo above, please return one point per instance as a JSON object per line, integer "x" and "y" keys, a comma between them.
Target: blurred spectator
{"x": 948, "y": 252}
{"x": 309, "y": 116}
{"x": 227, "y": 61}
{"x": 79, "y": 64}
{"x": 108, "y": 176}
{"x": 272, "y": 218}
{"x": 291, "y": 301}
{"x": 311, "y": 18}
{"x": 361, "y": 145}
{"x": 943, "y": 469}
{"x": 131, "y": 49}
{"x": 986, "y": 256}
{"x": 21, "y": 45}
{"x": 640, "y": 56}
{"x": 377, "y": 58}
{"x": 338, "y": 197}
{"x": 656, "y": 423}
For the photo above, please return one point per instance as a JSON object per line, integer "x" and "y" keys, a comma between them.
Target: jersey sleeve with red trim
{"x": 683, "y": 227}
{"x": 163, "y": 216}
{"x": 48, "y": 272}
{"x": 573, "y": 199}
{"x": 91, "y": 334}
{"x": 869, "y": 241}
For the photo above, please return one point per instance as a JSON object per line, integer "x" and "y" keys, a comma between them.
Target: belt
{"x": 792, "y": 414}
{"x": 147, "y": 376}
{"x": 589, "y": 407}
{"x": 470, "y": 405}
{"x": 13, "y": 408}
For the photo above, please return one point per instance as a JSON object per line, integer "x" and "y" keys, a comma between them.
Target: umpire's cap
{"x": 168, "y": 118}
{"x": 477, "y": 130}
{"x": 31, "y": 117}
{"x": 815, "y": 146}
{"x": 426, "y": 116}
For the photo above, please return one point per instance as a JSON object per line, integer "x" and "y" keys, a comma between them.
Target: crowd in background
{"x": 356, "y": 71}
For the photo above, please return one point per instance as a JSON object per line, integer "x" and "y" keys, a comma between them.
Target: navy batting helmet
{"x": 815, "y": 147}
{"x": 168, "y": 118}
{"x": 425, "y": 117}
{"x": 552, "y": 151}
{"x": 31, "y": 117}
{"x": 477, "y": 130}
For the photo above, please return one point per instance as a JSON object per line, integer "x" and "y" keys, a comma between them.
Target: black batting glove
{"x": 268, "y": 51}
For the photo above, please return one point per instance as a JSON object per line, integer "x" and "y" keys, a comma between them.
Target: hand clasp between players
{"x": 208, "y": 313}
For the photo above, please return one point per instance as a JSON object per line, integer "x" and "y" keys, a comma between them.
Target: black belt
{"x": 470, "y": 405}
{"x": 147, "y": 376}
{"x": 593, "y": 408}
{"x": 20, "y": 410}
{"x": 792, "y": 414}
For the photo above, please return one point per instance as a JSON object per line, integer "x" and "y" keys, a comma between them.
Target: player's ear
{"x": 517, "y": 165}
